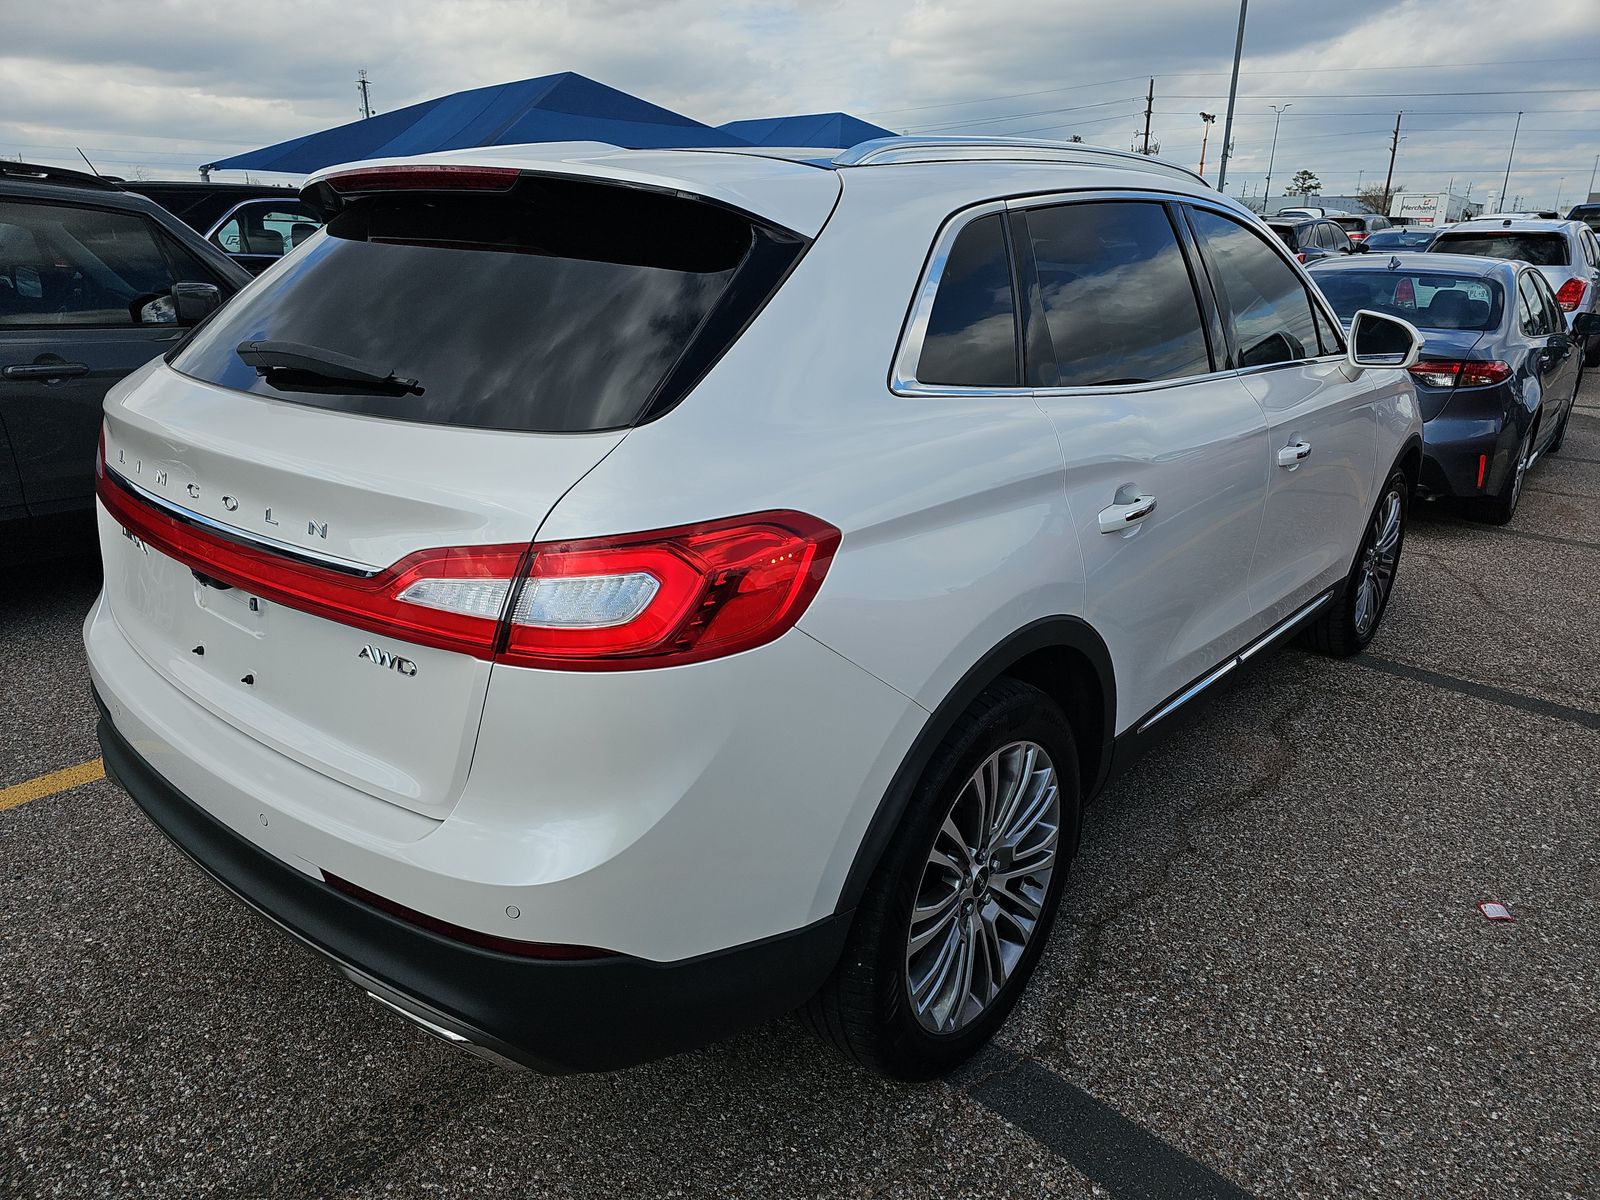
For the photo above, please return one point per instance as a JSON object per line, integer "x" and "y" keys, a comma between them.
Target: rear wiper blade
{"x": 267, "y": 357}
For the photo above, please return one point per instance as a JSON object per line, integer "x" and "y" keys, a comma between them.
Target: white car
{"x": 1566, "y": 252}
{"x": 603, "y": 598}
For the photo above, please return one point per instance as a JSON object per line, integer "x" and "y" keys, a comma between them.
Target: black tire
{"x": 865, "y": 1008}
{"x": 1343, "y": 629}
{"x": 1499, "y": 508}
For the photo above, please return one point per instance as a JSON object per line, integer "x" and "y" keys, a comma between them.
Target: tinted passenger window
{"x": 62, "y": 265}
{"x": 1118, "y": 300}
{"x": 971, "y": 339}
{"x": 1271, "y": 310}
{"x": 1534, "y": 319}
{"x": 1554, "y": 320}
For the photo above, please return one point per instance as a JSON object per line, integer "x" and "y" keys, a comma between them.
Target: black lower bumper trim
{"x": 553, "y": 1016}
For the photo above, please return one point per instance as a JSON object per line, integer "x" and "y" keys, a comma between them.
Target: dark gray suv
{"x": 94, "y": 282}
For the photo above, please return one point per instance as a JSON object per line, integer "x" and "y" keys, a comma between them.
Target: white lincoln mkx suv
{"x": 601, "y": 598}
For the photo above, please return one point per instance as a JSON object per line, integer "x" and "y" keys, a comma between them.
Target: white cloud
{"x": 165, "y": 86}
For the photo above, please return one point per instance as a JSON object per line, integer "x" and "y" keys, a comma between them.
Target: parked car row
{"x": 605, "y": 599}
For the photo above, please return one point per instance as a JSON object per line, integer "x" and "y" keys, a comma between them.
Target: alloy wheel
{"x": 983, "y": 887}
{"x": 1378, "y": 562}
{"x": 1524, "y": 452}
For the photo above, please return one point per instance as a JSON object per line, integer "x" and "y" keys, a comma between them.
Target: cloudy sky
{"x": 158, "y": 86}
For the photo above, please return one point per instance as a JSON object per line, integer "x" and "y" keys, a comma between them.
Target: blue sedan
{"x": 1499, "y": 369}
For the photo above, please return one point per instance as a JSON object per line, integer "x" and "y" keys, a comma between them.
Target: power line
{"x": 1043, "y": 112}
{"x": 1508, "y": 62}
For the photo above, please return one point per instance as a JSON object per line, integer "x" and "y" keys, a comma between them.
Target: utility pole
{"x": 1559, "y": 186}
{"x": 1149, "y": 103}
{"x": 362, "y": 86}
{"x": 1233, "y": 92}
{"x": 1506, "y": 183}
{"x": 1266, "y": 193}
{"x": 1592, "y": 174}
{"x": 1394, "y": 148}
{"x": 1210, "y": 119}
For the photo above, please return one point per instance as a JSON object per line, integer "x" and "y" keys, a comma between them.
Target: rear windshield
{"x": 562, "y": 306}
{"x": 1540, "y": 249}
{"x": 1286, "y": 235}
{"x": 1589, "y": 215}
{"x": 1427, "y": 299}
{"x": 1353, "y": 224}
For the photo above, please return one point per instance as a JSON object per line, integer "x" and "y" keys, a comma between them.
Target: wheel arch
{"x": 1064, "y": 658}
{"x": 1409, "y": 460}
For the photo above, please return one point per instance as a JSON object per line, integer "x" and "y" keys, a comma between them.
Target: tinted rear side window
{"x": 1540, "y": 249}
{"x": 1118, "y": 300}
{"x": 564, "y": 306}
{"x": 971, "y": 340}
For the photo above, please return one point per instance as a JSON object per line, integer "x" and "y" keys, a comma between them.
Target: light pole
{"x": 1507, "y": 181}
{"x": 1559, "y": 186}
{"x": 1209, "y": 119}
{"x": 1592, "y": 174}
{"x": 1233, "y": 92}
{"x": 1266, "y": 198}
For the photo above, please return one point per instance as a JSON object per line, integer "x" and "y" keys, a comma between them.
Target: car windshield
{"x": 1540, "y": 249}
{"x": 1428, "y": 299}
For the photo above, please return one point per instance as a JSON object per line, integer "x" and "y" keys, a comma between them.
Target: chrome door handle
{"x": 1294, "y": 454}
{"x": 1117, "y": 517}
{"x": 58, "y": 370}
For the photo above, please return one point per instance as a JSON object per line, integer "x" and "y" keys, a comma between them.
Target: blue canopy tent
{"x": 552, "y": 108}
{"x": 814, "y": 129}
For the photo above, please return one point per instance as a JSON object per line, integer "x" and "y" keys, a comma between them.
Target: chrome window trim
{"x": 902, "y": 373}
{"x": 232, "y": 533}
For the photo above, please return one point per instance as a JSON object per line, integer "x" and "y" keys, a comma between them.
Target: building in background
{"x": 1431, "y": 208}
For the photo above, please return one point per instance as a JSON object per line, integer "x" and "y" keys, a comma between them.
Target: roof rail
{"x": 883, "y": 151}
{"x": 63, "y": 175}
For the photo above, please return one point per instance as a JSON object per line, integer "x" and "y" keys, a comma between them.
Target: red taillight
{"x": 460, "y": 933}
{"x": 642, "y": 600}
{"x": 718, "y": 588}
{"x": 1405, "y": 291}
{"x": 1481, "y": 374}
{"x": 1571, "y": 294}
{"x": 436, "y": 178}
{"x": 1483, "y": 465}
{"x": 1357, "y": 236}
{"x": 1300, "y": 256}
{"x": 1443, "y": 373}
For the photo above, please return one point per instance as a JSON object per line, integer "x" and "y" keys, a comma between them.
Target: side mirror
{"x": 1586, "y": 324}
{"x": 1381, "y": 341}
{"x": 195, "y": 302}
{"x": 1359, "y": 248}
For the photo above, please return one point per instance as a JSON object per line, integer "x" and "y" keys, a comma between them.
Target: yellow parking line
{"x": 49, "y": 785}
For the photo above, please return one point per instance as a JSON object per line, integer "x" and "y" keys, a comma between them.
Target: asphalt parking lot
{"x": 1271, "y": 977}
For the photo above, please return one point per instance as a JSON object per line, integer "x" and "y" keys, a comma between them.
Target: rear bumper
{"x": 1452, "y": 445}
{"x": 591, "y": 1015}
